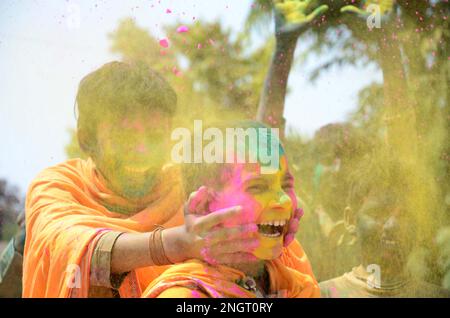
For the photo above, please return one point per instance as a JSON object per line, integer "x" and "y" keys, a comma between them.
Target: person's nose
{"x": 391, "y": 225}
{"x": 281, "y": 202}
{"x": 141, "y": 148}
{"x": 138, "y": 126}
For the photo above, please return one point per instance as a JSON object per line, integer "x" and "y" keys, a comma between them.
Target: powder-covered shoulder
{"x": 61, "y": 171}
{"x": 295, "y": 257}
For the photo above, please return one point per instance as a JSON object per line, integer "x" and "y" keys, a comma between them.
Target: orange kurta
{"x": 290, "y": 275}
{"x": 65, "y": 213}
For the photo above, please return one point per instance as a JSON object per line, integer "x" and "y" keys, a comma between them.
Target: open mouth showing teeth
{"x": 389, "y": 242}
{"x": 272, "y": 229}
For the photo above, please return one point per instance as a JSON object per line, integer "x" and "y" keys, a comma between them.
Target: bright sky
{"x": 46, "y": 47}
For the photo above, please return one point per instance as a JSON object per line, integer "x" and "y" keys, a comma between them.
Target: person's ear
{"x": 168, "y": 138}
{"x": 350, "y": 220}
{"x": 85, "y": 142}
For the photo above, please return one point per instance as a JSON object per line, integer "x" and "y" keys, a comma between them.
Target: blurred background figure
{"x": 387, "y": 232}
{"x": 336, "y": 149}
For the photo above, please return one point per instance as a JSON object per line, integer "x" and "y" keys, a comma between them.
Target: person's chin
{"x": 269, "y": 248}
{"x": 138, "y": 190}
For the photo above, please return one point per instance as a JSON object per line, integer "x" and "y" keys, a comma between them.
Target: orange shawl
{"x": 65, "y": 213}
{"x": 290, "y": 277}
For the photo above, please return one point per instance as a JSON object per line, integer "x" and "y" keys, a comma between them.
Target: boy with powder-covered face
{"x": 267, "y": 197}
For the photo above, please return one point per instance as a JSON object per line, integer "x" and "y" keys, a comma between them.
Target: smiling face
{"x": 132, "y": 151}
{"x": 267, "y": 199}
{"x": 385, "y": 230}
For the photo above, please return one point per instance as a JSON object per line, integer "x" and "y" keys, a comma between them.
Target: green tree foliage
{"x": 11, "y": 205}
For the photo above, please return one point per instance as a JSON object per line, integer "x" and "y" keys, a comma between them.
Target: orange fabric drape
{"x": 290, "y": 275}
{"x": 65, "y": 213}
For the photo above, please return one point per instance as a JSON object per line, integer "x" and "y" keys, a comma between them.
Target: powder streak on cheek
{"x": 248, "y": 204}
{"x": 234, "y": 195}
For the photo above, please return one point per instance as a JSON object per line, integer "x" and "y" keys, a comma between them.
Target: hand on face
{"x": 293, "y": 226}
{"x": 268, "y": 202}
{"x": 218, "y": 237}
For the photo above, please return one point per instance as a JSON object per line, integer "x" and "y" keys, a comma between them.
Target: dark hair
{"x": 216, "y": 175}
{"x": 115, "y": 89}
{"x": 381, "y": 174}
{"x": 341, "y": 140}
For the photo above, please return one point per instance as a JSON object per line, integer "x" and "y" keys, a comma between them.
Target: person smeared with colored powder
{"x": 277, "y": 266}
{"x": 386, "y": 226}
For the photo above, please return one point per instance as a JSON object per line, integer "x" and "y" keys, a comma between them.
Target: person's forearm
{"x": 130, "y": 251}
{"x": 271, "y": 105}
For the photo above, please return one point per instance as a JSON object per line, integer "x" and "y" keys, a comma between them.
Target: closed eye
{"x": 256, "y": 188}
